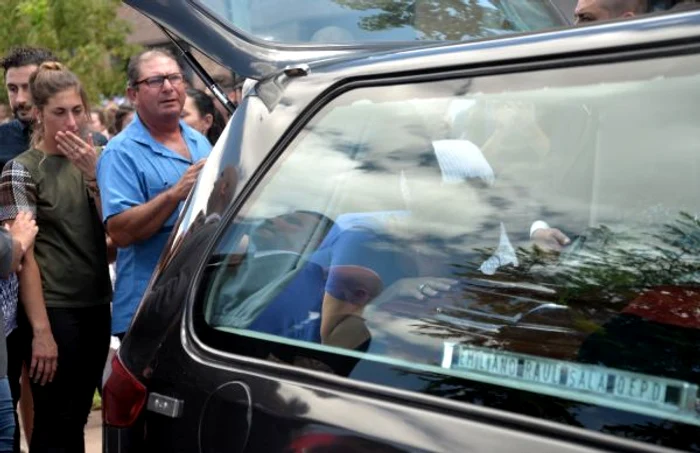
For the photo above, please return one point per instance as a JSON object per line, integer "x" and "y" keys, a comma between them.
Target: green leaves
{"x": 85, "y": 34}
{"x": 432, "y": 19}
{"x": 614, "y": 266}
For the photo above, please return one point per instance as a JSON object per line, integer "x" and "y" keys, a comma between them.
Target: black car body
{"x": 592, "y": 348}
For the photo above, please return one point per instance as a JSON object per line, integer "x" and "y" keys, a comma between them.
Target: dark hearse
{"x": 430, "y": 225}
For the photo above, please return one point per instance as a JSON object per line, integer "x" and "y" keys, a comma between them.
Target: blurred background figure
{"x": 5, "y": 115}
{"x": 110, "y": 111}
{"x": 122, "y": 117}
{"x": 594, "y": 10}
{"x": 201, "y": 114}
{"x": 235, "y": 94}
{"x": 98, "y": 127}
{"x": 231, "y": 85}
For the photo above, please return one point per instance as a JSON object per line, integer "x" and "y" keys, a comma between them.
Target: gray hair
{"x": 133, "y": 70}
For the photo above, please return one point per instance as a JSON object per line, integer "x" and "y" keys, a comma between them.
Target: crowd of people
{"x": 82, "y": 189}
{"x": 85, "y": 188}
{"x": 108, "y": 120}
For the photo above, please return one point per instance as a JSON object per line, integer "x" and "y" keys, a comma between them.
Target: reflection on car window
{"x": 589, "y": 11}
{"x": 537, "y": 231}
{"x": 367, "y": 21}
{"x": 350, "y": 21}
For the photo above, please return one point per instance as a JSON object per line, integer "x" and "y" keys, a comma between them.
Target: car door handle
{"x": 165, "y": 405}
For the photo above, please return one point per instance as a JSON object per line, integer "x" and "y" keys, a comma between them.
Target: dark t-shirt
{"x": 14, "y": 140}
{"x": 70, "y": 247}
{"x": 99, "y": 139}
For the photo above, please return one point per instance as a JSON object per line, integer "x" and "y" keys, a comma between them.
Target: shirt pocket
{"x": 159, "y": 181}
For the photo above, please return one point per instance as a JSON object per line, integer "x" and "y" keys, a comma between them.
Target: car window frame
{"x": 203, "y": 351}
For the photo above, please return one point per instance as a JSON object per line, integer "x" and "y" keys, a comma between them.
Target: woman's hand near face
{"x": 78, "y": 151}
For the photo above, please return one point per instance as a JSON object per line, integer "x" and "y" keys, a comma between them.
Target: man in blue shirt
{"x": 144, "y": 175}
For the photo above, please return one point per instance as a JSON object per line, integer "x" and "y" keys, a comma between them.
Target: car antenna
{"x": 201, "y": 72}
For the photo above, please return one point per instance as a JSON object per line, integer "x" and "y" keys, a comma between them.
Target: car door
{"x": 369, "y": 282}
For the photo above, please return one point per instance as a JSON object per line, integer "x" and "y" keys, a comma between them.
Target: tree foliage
{"x": 85, "y": 34}
{"x": 454, "y": 19}
{"x": 432, "y": 19}
{"x": 615, "y": 266}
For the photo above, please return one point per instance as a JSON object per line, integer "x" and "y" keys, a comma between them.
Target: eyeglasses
{"x": 158, "y": 81}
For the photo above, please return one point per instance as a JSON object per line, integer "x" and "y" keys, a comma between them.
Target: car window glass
{"x": 350, "y": 21}
{"x": 537, "y": 231}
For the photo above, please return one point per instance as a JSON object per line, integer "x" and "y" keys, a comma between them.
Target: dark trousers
{"x": 18, "y": 343}
{"x": 62, "y": 407}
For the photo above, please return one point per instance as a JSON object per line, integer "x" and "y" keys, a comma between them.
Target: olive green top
{"x": 70, "y": 248}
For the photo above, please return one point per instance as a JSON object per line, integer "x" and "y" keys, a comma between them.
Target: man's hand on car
{"x": 184, "y": 185}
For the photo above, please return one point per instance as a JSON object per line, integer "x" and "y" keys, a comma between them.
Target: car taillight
{"x": 123, "y": 396}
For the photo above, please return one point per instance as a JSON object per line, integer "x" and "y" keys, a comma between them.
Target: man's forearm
{"x": 31, "y": 295}
{"x": 142, "y": 222}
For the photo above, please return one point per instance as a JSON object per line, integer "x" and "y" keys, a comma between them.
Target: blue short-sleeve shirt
{"x": 354, "y": 255}
{"x": 133, "y": 169}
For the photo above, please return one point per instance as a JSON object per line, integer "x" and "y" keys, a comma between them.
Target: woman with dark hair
{"x": 122, "y": 117}
{"x": 201, "y": 114}
{"x": 64, "y": 281}
{"x": 98, "y": 123}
